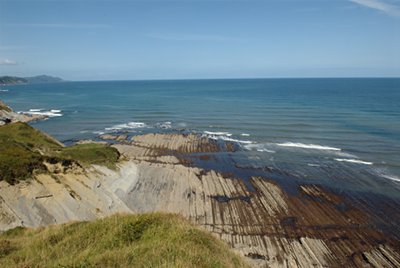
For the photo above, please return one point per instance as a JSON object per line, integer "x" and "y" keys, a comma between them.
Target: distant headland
{"x": 39, "y": 79}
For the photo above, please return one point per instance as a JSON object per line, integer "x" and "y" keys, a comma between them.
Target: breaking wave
{"x": 258, "y": 147}
{"x": 49, "y": 113}
{"x": 354, "y": 161}
{"x": 234, "y": 140}
{"x": 308, "y": 146}
{"x": 393, "y": 178}
{"x": 130, "y": 125}
{"x": 225, "y": 136}
{"x": 218, "y": 133}
{"x": 164, "y": 125}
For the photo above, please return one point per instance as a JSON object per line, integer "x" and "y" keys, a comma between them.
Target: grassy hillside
{"x": 4, "y": 107}
{"x": 147, "y": 240}
{"x": 24, "y": 149}
{"x": 92, "y": 153}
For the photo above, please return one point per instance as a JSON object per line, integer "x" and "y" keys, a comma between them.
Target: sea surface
{"x": 344, "y": 133}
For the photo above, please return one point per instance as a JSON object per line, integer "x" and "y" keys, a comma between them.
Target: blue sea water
{"x": 343, "y": 132}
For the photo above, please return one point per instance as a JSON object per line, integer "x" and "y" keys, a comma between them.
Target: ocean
{"x": 344, "y": 133}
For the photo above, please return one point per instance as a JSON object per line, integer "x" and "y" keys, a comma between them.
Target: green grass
{"x": 18, "y": 162}
{"x": 29, "y": 137}
{"x": 147, "y": 240}
{"x": 4, "y": 107}
{"x": 91, "y": 153}
{"x": 23, "y": 150}
{"x": 19, "y": 155}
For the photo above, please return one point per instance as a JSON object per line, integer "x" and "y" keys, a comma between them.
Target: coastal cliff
{"x": 270, "y": 222}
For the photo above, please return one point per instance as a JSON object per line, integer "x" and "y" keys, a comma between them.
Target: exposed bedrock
{"x": 272, "y": 228}
{"x": 7, "y": 115}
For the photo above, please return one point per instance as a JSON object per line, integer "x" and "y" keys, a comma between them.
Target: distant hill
{"x": 12, "y": 80}
{"x": 40, "y": 79}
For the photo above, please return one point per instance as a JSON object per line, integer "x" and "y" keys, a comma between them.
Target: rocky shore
{"x": 266, "y": 224}
{"x": 7, "y": 115}
{"x": 271, "y": 222}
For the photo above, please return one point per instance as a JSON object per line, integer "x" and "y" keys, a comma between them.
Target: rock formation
{"x": 260, "y": 219}
{"x": 7, "y": 115}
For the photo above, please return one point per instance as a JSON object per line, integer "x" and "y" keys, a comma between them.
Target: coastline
{"x": 265, "y": 215}
{"x": 266, "y": 224}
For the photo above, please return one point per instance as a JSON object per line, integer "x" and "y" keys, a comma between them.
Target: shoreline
{"x": 267, "y": 215}
{"x": 267, "y": 224}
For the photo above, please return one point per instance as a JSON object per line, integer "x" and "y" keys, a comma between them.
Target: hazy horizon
{"x": 205, "y": 78}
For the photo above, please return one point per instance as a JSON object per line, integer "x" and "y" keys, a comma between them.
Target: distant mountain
{"x": 40, "y": 79}
{"x": 12, "y": 80}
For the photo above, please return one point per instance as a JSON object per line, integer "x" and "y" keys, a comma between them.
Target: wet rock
{"x": 90, "y": 141}
{"x": 269, "y": 226}
{"x": 114, "y": 137}
{"x": 108, "y": 137}
{"x": 122, "y": 138}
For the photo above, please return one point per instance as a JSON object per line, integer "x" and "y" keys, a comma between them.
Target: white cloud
{"x": 8, "y": 62}
{"x": 379, "y": 5}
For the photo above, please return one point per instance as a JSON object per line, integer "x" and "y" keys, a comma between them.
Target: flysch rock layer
{"x": 266, "y": 225}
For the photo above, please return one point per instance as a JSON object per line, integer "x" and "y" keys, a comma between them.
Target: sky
{"x": 193, "y": 39}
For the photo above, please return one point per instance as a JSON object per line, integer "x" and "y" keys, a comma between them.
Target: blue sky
{"x": 122, "y": 39}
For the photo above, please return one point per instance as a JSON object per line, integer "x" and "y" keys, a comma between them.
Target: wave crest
{"x": 354, "y": 161}
{"x": 130, "y": 125}
{"x": 308, "y": 146}
{"x": 49, "y": 113}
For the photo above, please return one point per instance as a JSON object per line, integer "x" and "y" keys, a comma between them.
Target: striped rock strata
{"x": 272, "y": 228}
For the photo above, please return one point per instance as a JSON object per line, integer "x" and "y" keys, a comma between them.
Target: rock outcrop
{"x": 308, "y": 226}
{"x": 7, "y": 115}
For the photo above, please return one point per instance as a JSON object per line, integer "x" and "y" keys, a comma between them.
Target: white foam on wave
{"x": 354, "y": 161}
{"x": 130, "y": 125}
{"x": 345, "y": 155}
{"x": 390, "y": 177}
{"x": 164, "y": 125}
{"x": 50, "y": 113}
{"x": 258, "y": 147}
{"x": 234, "y": 140}
{"x": 245, "y": 135}
{"x": 220, "y": 133}
{"x": 3, "y": 90}
{"x": 226, "y": 138}
{"x": 387, "y": 175}
{"x": 308, "y": 146}
{"x": 313, "y": 165}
